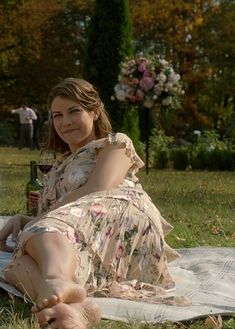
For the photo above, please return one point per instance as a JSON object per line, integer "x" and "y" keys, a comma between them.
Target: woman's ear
{"x": 96, "y": 115}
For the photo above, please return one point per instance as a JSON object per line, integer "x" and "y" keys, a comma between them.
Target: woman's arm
{"x": 110, "y": 169}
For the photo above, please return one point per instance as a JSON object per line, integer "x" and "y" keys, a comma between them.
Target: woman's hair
{"x": 86, "y": 95}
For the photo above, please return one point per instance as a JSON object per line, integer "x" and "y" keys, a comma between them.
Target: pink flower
{"x": 139, "y": 95}
{"x": 98, "y": 209}
{"x": 146, "y": 73}
{"x": 146, "y": 83}
{"x": 110, "y": 232}
{"x": 142, "y": 67}
{"x": 119, "y": 252}
{"x": 71, "y": 234}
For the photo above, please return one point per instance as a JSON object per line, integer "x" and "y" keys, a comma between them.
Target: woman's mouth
{"x": 69, "y": 131}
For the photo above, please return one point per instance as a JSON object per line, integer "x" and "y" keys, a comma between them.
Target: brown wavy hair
{"x": 86, "y": 95}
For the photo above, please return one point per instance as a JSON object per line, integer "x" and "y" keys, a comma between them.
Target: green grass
{"x": 200, "y": 206}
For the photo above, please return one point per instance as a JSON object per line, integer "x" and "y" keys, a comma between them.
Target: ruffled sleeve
{"x": 122, "y": 139}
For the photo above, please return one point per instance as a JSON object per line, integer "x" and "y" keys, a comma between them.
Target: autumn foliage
{"x": 44, "y": 41}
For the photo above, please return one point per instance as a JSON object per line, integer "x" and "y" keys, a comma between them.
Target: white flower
{"x": 158, "y": 88}
{"x": 167, "y": 101}
{"x": 121, "y": 91}
{"x": 148, "y": 102}
{"x": 163, "y": 62}
{"x": 168, "y": 86}
{"x": 211, "y": 147}
{"x": 197, "y": 132}
{"x": 173, "y": 78}
{"x": 121, "y": 95}
{"x": 161, "y": 77}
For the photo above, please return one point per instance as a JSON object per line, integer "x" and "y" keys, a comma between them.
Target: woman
{"x": 98, "y": 232}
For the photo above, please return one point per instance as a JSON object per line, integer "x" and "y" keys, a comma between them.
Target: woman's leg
{"x": 23, "y": 273}
{"x": 56, "y": 261}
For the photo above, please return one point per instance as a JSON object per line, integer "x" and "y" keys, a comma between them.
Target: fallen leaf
{"x": 180, "y": 239}
{"x": 216, "y": 230}
{"x": 213, "y": 322}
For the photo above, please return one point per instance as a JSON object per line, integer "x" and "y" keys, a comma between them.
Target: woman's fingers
{"x": 15, "y": 230}
{"x": 5, "y": 247}
{"x": 13, "y": 227}
{"x": 4, "y": 234}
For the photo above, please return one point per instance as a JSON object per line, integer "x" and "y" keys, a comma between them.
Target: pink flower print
{"x": 132, "y": 196}
{"x": 110, "y": 232}
{"x": 119, "y": 252}
{"x": 98, "y": 209}
{"x": 71, "y": 234}
{"x": 146, "y": 83}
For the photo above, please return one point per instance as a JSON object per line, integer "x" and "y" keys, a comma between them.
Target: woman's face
{"x": 73, "y": 124}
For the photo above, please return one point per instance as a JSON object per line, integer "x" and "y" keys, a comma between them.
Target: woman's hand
{"x": 12, "y": 227}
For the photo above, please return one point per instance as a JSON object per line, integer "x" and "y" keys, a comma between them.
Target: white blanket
{"x": 205, "y": 275}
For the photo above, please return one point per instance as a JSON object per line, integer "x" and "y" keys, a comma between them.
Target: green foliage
{"x": 130, "y": 126}
{"x": 205, "y": 151}
{"x": 159, "y": 148}
{"x": 180, "y": 158}
{"x": 6, "y": 134}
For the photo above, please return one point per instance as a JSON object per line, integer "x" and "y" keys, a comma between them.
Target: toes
{"x": 54, "y": 325}
{"x": 47, "y": 302}
{"x": 78, "y": 295}
{"x": 52, "y": 301}
{"x": 45, "y": 315}
{"x": 96, "y": 313}
{"x": 92, "y": 311}
{"x": 34, "y": 309}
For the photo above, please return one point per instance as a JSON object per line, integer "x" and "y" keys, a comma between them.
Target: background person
{"x": 37, "y": 124}
{"x": 26, "y": 117}
{"x": 98, "y": 232}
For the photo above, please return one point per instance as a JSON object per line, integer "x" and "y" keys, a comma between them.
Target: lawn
{"x": 200, "y": 206}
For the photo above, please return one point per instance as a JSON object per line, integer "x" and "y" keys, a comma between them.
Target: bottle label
{"x": 32, "y": 202}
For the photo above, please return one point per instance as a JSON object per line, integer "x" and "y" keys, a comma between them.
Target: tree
{"x": 42, "y": 42}
{"x": 109, "y": 43}
{"x": 217, "y": 45}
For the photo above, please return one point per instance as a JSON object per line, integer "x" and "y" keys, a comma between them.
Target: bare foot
{"x": 70, "y": 316}
{"x": 54, "y": 291}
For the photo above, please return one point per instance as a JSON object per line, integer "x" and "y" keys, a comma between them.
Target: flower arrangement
{"x": 151, "y": 82}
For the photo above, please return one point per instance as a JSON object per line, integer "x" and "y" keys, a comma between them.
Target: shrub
{"x": 6, "y": 134}
{"x": 109, "y": 42}
{"x": 180, "y": 157}
{"x": 159, "y": 148}
{"x": 221, "y": 160}
{"x": 161, "y": 159}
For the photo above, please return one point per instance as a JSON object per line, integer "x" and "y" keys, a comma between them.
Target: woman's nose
{"x": 66, "y": 121}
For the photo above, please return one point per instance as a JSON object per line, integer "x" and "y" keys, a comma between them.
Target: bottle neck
{"x": 33, "y": 170}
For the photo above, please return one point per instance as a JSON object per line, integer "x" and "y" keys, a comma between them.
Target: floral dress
{"x": 118, "y": 234}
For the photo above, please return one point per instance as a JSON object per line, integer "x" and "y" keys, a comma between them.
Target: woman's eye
{"x": 56, "y": 115}
{"x": 75, "y": 110}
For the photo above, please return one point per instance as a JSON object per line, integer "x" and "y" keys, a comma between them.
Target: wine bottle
{"x": 33, "y": 188}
